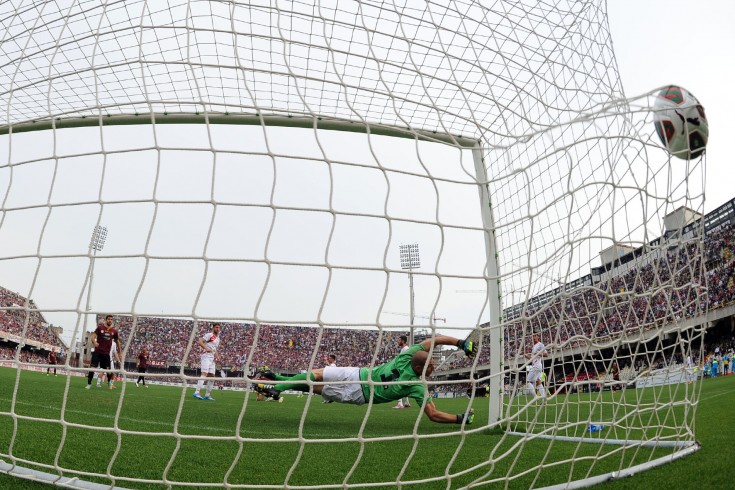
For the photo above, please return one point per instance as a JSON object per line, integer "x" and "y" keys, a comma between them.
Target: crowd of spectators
{"x": 7, "y": 353}
{"x": 13, "y": 315}
{"x": 172, "y": 342}
{"x": 665, "y": 289}
{"x": 678, "y": 284}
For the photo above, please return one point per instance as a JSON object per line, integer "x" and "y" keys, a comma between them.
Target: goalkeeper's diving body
{"x": 408, "y": 367}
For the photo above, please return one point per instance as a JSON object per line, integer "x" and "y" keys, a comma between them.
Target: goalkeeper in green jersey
{"x": 398, "y": 378}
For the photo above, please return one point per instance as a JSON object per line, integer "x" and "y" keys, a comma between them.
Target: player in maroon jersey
{"x": 102, "y": 339}
{"x": 52, "y": 362}
{"x": 142, "y": 365}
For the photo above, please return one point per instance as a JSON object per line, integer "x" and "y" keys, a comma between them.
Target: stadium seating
{"x": 604, "y": 309}
{"x": 675, "y": 288}
{"x": 285, "y": 348}
{"x": 12, "y": 319}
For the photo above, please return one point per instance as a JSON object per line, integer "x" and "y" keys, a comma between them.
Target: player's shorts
{"x": 209, "y": 366}
{"x": 101, "y": 361}
{"x": 343, "y": 393}
{"x": 533, "y": 375}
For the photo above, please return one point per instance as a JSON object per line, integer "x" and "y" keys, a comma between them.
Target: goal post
{"x": 495, "y": 335}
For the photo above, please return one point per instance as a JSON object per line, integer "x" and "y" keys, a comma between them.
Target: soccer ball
{"x": 680, "y": 122}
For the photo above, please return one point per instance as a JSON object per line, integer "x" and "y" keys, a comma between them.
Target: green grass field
{"x": 282, "y": 443}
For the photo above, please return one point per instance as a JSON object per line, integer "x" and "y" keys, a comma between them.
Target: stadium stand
{"x": 668, "y": 285}
{"x": 283, "y": 347}
{"x": 7, "y": 352}
{"x": 13, "y": 316}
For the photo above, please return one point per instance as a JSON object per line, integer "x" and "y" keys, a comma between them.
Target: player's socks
{"x": 210, "y": 385}
{"x": 531, "y": 388}
{"x": 542, "y": 391}
{"x": 200, "y": 385}
{"x": 297, "y": 387}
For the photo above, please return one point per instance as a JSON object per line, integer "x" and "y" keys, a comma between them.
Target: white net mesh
{"x": 259, "y": 165}
{"x": 500, "y": 73}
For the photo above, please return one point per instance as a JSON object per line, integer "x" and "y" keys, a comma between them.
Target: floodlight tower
{"x": 409, "y": 261}
{"x": 96, "y": 244}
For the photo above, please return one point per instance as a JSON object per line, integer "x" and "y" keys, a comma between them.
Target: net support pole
{"x": 495, "y": 334}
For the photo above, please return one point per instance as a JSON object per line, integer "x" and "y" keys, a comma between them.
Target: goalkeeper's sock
{"x": 297, "y": 387}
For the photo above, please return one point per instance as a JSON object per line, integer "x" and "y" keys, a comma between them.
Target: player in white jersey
{"x": 689, "y": 369}
{"x": 403, "y": 345}
{"x": 209, "y": 344}
{"x": 114, "y": 358}
{"x": 115, "y": 363}
{"x": 533, "y": 377}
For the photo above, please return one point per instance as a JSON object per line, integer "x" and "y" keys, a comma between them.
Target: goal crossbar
{"x": 242, "y": 119}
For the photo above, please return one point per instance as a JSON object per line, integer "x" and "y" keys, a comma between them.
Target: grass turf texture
{"x": 260, "y": 460}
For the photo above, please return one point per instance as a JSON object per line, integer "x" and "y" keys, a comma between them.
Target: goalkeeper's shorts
{"x": 343, "y": 393}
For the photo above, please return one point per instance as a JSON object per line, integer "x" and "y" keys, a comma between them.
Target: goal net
{"x": 262, "y": 166}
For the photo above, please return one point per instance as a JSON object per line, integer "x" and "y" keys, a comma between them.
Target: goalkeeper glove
{"x": 469, "y": 347}
{"x": 468, "y": 419}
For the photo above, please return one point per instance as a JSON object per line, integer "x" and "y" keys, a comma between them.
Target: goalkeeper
{"x": 408, "y": 368}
